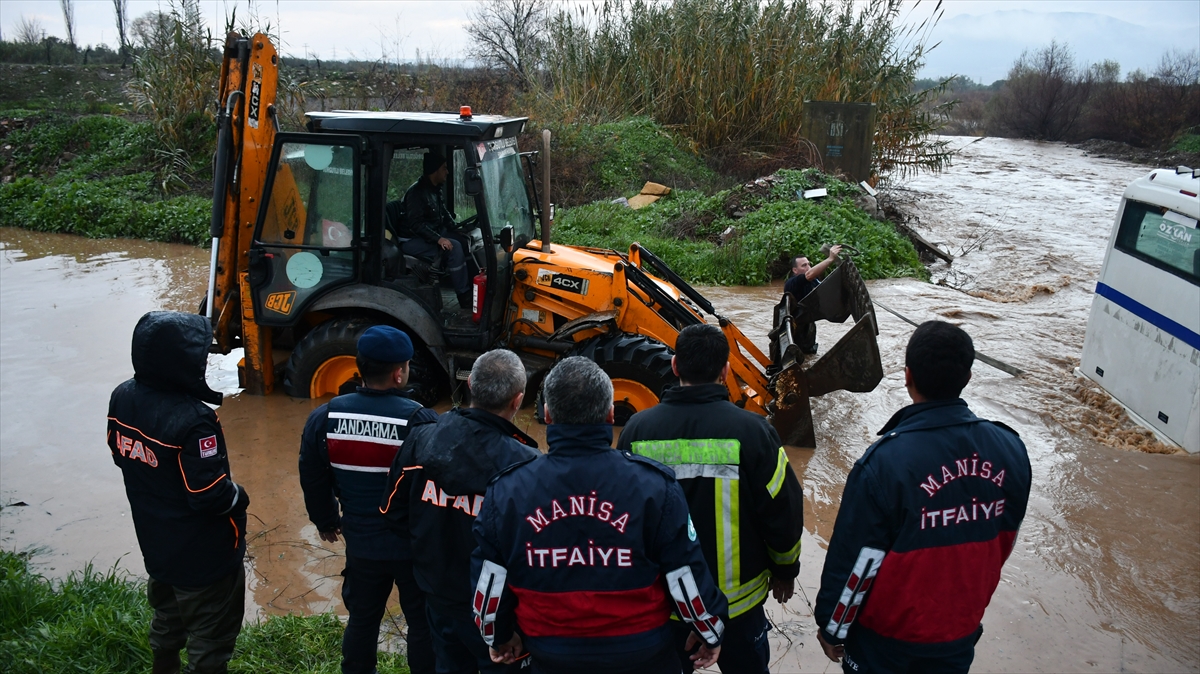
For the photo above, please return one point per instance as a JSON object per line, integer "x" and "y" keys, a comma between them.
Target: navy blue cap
{"x": 385, "y": 344}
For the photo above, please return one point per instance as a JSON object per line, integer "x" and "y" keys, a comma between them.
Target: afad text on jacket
{"x": 189, "y": 515}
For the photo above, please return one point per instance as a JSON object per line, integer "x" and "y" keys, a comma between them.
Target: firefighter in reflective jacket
{"x": 746, "y": 502}
{"x": 585, "y": 552}
{"x": 928, "y": 517}
{"x": 345, "y": 453}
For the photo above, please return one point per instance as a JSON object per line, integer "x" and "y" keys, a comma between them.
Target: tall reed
{"x": 737, "y": 72}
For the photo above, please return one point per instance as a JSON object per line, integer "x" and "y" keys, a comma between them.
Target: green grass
{"x": 685, "y": 228}
{"x": 87, "y": 176}
{"x": 97, "y": 623}
{"x": 1189, "y": 143}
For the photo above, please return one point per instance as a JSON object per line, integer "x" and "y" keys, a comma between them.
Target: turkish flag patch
{"x": 208, "y": 446}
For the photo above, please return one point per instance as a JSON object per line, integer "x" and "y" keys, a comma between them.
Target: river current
{"x": 1105, "y": 575}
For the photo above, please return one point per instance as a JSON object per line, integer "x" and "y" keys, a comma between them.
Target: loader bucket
{"x": 853, "y": 364}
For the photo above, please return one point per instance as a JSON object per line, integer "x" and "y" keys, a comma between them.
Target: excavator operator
{"x": 427, "y": 229}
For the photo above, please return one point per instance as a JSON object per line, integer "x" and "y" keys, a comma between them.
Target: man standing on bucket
{"x": 745, "y": 500}
{"x": 189, "y": 514}
{"x": 928, "y": 517}
{"x": 345, "y": 452}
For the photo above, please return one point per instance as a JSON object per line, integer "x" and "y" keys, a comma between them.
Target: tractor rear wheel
{"x": 323, "y": 363}
{"x": 640, "y": 369}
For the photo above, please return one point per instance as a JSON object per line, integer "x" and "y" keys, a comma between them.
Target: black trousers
{"x": 456, "y": 261}
{"x": 459, "y": 649}
{"x": 870, "y": 653}
{"x": 745, "y": 648}
{"x": 366, "y": 586}
{"x": 206, "y": 620}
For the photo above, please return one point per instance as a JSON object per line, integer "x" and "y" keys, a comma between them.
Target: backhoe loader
{"x": 306, "y": 255}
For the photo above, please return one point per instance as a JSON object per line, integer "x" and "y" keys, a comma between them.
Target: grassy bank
{"x": 88, "y": 176}
{"x": 98, "y": 622}
{"x": 746, "y": 235}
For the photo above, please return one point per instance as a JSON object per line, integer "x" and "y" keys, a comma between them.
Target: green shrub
{"x": 597, "y": 161}
{"x": 1189, "y": 143}
{"x": 685, "y": 228}
{"x": 112, "y": 207}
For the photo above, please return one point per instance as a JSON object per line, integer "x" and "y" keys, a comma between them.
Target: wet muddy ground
{"x": 1106, "y": 571}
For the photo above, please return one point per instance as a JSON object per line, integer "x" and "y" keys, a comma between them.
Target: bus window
{"x": 1161, "y": 237}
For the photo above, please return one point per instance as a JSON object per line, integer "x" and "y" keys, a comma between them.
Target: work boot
{"x": 464, "y": 300}
{"x": 165, "y": 663}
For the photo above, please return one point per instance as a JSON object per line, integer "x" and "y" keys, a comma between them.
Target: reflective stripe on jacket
{"x": 929, "y": 515}
{"x": 745, "y": 500}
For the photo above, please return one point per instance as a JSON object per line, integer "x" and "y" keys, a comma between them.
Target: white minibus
{"x": 1143, "y": 335}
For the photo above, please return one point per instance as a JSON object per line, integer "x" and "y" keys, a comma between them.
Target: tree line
{"x": 1049, "y": 95}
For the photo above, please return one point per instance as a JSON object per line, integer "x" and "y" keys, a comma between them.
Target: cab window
{"x": 312, "y": 199}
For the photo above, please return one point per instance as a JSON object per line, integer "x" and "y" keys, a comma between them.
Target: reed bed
{"x": 737, "y": 72}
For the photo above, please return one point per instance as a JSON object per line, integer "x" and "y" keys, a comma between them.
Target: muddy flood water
{"x": 1105, "y": 575}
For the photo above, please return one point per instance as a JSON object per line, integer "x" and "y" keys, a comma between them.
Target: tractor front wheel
{"x": 324, "y": 363}
{"x": 640, "y": 369}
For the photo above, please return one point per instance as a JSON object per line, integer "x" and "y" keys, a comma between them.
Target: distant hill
{"x": 984, "y": 46}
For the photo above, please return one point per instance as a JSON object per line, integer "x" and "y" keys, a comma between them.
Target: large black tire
{"x": 339, "y": 337}
{"x": 634, "y": 357}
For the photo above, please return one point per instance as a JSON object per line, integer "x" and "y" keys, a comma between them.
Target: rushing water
{"x": 1106, "y": 571}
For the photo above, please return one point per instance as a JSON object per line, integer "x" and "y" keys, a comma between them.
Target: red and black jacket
{"x": 346, "y": 451}
{"x": 587, "y": 551}
{"x": 436, "y": 488}
{"x": 189, "y": 515}
{"x": 929, "y": 515}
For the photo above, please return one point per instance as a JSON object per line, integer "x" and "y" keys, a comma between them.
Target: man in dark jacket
{"x": 928, "y": 517}
{"x": 745, "y": 501}
{"x": 438, "y": 482}
{"x": 189, "y": 514}
{"x": 347, "y": 447}
{"x": 429, "y": 230}
{"x": 595, "y": 592}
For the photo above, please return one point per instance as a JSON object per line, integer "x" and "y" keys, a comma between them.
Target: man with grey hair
{"x": 594, "y": 594}
{"x": 435, "y": 490}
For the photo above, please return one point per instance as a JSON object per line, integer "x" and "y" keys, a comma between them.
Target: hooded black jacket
{"x": 436, "y": 487}
{"x": 189, "y": 515}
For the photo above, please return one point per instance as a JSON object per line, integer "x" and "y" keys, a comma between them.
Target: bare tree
{"x": 1044, "y": 95}
{"x": 121, "y": 9}
{"x": 509, "y": 34}
{"x": 30, "y": 31}
{"x": 68, "y": 10}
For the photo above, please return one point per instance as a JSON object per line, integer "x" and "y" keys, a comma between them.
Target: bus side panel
{"x": 1129, "y": 338}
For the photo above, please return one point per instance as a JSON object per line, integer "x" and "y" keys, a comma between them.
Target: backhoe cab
{"x": 306, "y": 255}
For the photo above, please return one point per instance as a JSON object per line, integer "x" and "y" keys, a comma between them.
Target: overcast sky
{"x": 979, "y": 38}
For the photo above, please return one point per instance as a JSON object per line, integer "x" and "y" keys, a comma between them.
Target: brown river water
{"x": 1106, "y": 571}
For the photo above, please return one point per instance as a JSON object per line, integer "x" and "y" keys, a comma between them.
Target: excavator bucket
{"x": 853, "y": 364}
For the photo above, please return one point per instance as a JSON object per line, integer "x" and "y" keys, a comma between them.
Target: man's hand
{"x": 445, "y": 243}
{"x": 833, "y": 251}
{"x": 706, "y": 656}
{"x": 782, "y": 589}
{"x": 509, "y": 652}
{"x": 330, "y": 536}
{"x": 832, "y": 652}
